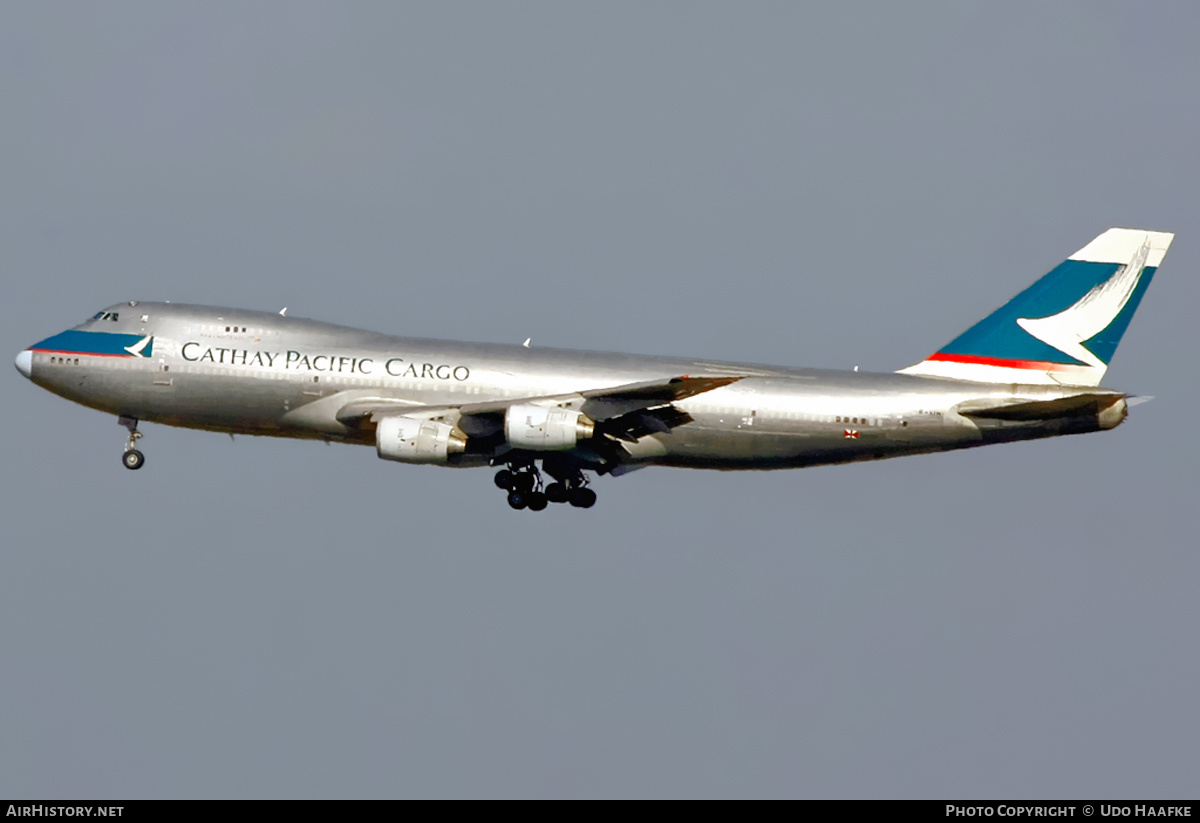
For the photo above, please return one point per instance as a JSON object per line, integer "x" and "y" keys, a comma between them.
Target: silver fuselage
{"x": 248, "y": 372}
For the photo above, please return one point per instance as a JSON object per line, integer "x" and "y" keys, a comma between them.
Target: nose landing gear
{"x": 132, "y": 458}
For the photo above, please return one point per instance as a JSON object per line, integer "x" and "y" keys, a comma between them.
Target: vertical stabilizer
{"x": 1064, "y": 329}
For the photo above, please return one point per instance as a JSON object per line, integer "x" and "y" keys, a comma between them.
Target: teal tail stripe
{"x": 999, "y": 336}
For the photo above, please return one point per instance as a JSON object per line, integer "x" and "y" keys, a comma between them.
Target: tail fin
{"x": 1064, "y": 328}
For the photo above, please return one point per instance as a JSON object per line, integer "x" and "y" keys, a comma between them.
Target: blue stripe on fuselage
{"x": 92, "y": 342}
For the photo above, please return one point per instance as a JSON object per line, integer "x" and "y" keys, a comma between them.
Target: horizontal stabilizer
{"x": 1079, "y": 405}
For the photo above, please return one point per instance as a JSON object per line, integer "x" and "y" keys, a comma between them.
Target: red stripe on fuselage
{"x": 83, "y": 353}
{"x": 975, "y": 360}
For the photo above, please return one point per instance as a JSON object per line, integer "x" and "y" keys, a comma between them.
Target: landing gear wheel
{"x": 556, "y": 493}
{"x": 537, "y": 501}
{"x": 504, "y": 479}
{"x": 582, "y": 498}
{"x": 132, "y": 458}
{"x": 524, "y": 482}
{"x": 517, "y": 500}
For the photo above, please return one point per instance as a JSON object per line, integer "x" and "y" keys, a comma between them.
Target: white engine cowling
{"x": 416, "y": 440}
{"x": 545, "y": 428}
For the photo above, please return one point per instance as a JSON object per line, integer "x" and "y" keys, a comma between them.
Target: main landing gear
{"x": 132, "y": 458}
{"x": 523, "y": 482}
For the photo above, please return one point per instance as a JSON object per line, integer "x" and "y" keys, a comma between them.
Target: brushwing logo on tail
{"x": 1050, "y": 334}
{"x": 1091, "y": 314}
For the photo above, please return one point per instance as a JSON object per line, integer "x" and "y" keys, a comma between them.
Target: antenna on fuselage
{"x": 283, "y": 312}
{"x": 526, "y": 343}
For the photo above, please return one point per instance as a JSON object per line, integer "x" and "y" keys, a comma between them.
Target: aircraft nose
{"x": 25, "y": 362}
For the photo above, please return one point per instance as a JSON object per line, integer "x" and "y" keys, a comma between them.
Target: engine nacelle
{"x": 546, "y": 428}
{"x": 416, "y": 440}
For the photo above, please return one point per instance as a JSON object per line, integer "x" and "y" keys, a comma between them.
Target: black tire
{"x": 504, "y": 479}
{"x": 524, "y": 482}
{"x": 556, "y": 493}
{"x": 582, "y": 498}
{"x": 517, "y": 500}
{"x": 537, "y": 501}
{"x": 133, "y": 459}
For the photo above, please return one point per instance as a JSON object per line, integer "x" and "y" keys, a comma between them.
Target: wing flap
{"x": 355, "y": 412}
{"x": 637, "y": 424}
{"x": 603, "y": 404}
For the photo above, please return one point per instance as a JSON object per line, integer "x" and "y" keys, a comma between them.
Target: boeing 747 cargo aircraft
{"x": 1031, "y": 369}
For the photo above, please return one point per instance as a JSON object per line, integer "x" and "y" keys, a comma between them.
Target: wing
{"x": 622, "y": 415}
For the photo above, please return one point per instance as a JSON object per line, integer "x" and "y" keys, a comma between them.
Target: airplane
{"x": 1031, "y": 369}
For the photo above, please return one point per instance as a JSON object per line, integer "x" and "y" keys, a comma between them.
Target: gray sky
{"x": 802, "y": 184}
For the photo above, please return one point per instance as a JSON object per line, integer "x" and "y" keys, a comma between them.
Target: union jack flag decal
{"x": 852, "y": 433}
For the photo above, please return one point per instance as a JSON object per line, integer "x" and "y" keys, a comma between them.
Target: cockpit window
{"x": 107, "y": 315}
{"x": 99, "y": 314}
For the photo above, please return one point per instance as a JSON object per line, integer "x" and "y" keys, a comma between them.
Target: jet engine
{"x": 417, "y": 440}
{"x": 545, "y": 428}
